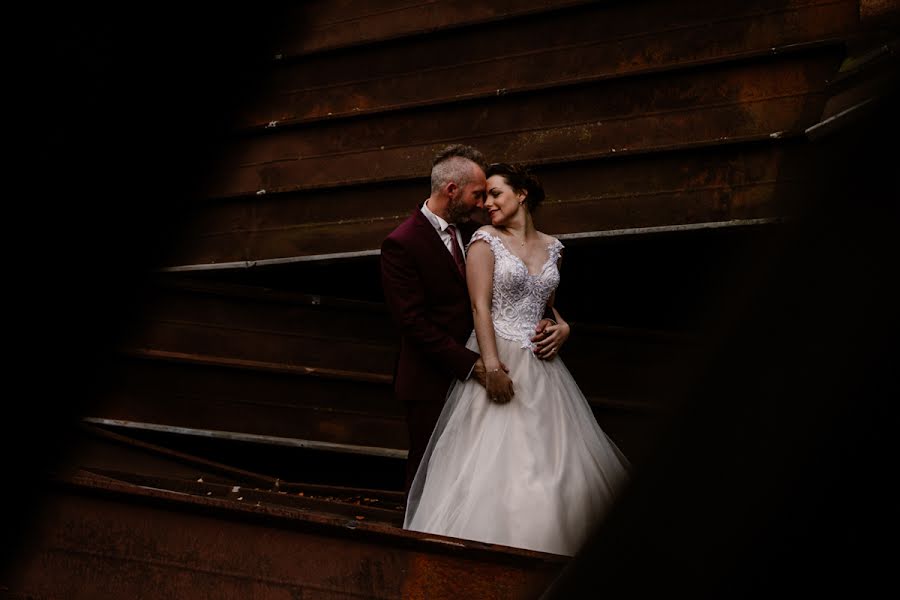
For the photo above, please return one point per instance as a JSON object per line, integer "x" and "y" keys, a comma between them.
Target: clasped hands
{"x": 548, "y": 338}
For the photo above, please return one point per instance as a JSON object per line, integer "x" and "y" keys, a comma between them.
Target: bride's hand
{"x": 499, "y": 386}
{"x": 480, "y": 374}
{"x": 550, "y": 340}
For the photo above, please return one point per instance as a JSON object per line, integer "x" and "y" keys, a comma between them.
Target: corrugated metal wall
{"x": 609, "y": 101}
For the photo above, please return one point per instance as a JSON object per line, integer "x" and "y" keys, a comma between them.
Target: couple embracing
{"x": 504, "y": 448}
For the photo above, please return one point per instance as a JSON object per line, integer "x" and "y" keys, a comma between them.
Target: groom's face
{"x": 469, "y": 197}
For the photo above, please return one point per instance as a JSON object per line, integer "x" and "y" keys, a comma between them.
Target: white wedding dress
{"x": 535, "y": 473}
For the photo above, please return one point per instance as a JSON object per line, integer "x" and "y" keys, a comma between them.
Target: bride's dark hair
{"x": 520, "y": 180}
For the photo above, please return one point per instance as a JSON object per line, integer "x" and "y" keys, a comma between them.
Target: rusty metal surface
{"x": 330, "y": 502}
{"x": 614, "y": 375}
{"x": 256, "y": 402}
{"x": 262, "y": 348}
{"x": 99, "y": 450}
{"x": 879, "y": 12}
{"x": 199, "y": 358}
{"x": 328, "y": 25}
{"x": 666, "y": 112}
{"x": 250, "y": 306}
{"x": 259, "y": 330}
{"x": 301, "y": 369}
{"x": 338, "y": 186}
{"x": 229, "y": 309}
{"x": 101, "y": 539}
{"x": 547, "y": 51}
{"x": 719, "y": 184}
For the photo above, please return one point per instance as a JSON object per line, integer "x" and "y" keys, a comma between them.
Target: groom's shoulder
{"x": 407, "y": 228}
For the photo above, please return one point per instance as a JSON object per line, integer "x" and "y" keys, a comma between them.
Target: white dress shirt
{"x": 440, "y": 225}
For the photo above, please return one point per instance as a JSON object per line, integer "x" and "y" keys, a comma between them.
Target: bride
{"x": 520, "y": 462}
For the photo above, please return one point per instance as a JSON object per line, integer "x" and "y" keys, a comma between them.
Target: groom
{"x": 423, "y": 275}
{"x": 424, "y": 282}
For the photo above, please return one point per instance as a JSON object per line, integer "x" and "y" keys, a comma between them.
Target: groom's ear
{"x": 450, "y": 188}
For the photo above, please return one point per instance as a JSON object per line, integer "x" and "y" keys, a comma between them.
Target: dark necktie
{"x": 456, "y": 250}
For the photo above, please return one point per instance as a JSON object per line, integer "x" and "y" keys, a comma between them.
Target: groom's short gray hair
{"x": 452, "y": 164}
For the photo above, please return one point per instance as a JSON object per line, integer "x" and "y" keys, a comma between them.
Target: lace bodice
{"x": 519, "y": 297}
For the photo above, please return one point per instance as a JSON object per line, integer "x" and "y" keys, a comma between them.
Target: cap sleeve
{"x": 556, "y": 248}
{"x": 484, "y": 236}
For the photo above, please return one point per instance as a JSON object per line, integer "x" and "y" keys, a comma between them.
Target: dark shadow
{"x": 773, "y": 479}
{"x": 127, "y": 105}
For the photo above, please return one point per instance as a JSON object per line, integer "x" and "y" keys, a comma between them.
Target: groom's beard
{"x": 458, "y": 212}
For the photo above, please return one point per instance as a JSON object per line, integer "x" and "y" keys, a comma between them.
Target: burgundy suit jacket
{"x": 429, "y": 302}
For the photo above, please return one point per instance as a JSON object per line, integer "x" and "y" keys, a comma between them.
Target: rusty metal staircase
{"x": 671, "y": 138}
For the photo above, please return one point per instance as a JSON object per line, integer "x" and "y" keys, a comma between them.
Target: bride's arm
{"x": 480, "y": 279}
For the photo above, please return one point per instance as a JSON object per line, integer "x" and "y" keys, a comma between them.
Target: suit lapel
{"x": 437, "y": 244}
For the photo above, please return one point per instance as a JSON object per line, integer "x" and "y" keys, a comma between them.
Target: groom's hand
{"x": 549, "y": 338}
{"x": 499, "y": 387}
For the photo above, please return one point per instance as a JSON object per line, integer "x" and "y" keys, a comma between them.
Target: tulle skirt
{"x": 535, "y": 473}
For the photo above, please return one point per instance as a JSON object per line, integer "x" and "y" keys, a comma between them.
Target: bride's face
{"x": 502, "y": 203}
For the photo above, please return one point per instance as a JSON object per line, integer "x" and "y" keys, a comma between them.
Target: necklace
{"x": 522, "y": 243}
